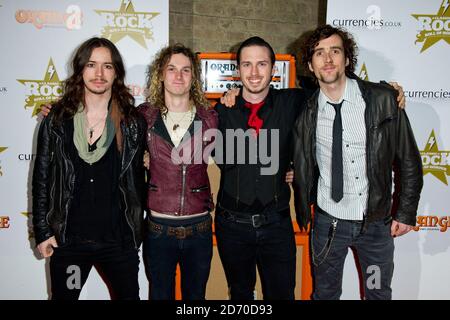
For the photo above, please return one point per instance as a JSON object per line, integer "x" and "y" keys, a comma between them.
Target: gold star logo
{"x": 28, "y": 215}
{"x": 434, "y": 27}
{"x": 128, "y": 22}
{"x": 363, "y": 74}
{"x": 42, "y": 91}
{"x": 434, "y": 161}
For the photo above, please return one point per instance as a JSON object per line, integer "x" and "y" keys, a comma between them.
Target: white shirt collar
{"x": 350, "y": 94}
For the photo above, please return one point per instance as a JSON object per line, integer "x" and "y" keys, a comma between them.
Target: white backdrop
{"x": 38, "y": 39}
{"x": 408, "y": 41}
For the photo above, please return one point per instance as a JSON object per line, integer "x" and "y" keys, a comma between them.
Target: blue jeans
{"x": 373, "y": 245}
{"x": 270, "y": 248}
{"x": 163, "y": 250}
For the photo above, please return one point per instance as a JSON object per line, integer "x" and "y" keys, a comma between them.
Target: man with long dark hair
{"x": 347, "y": 141}
{"x": 88, "y": 177}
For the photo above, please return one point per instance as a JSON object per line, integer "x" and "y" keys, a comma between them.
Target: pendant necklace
{"x": 177, "y": 125}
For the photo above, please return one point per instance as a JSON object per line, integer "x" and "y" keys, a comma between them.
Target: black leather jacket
{"x": 53, "y": 179}
{"x": 390, "y": 141}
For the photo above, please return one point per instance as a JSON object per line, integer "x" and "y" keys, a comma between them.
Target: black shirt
{"x": 243, "y": 187}
{"x": 95, "y": 213}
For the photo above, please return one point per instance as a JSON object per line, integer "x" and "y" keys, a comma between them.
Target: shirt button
{"x": 360, "y": 194}
{"x": 357, "y": 178}
{"x": 347, "y": 145}
{"x": 353, "y": 161}
{"x": 92, "y": 180}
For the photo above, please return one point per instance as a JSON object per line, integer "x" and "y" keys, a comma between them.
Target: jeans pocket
{"x": 205, "y": 234}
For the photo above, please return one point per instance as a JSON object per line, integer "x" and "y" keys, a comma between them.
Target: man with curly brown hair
{"x": 347, "y": 141}
{"x": 179, "y": 198}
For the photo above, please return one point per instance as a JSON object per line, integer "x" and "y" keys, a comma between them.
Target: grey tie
{"x": 337, "y": 178}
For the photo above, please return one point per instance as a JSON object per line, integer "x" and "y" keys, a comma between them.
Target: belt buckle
{"x": 180, "y": 232}
{"x": 256, "y": 221}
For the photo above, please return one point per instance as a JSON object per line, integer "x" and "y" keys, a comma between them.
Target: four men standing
{"x": 347, "y": 137}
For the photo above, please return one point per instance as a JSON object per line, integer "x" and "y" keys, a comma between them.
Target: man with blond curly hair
{"x": 179, "y": 199}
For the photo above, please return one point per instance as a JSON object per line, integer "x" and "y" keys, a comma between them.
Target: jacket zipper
{"x": 183, "y": 185}
{"x": 126, "y": 217}
{"x": 183, "y": 182}
{"x": 124, "y": 195}
{"x": 196, "y": 190}
{"x": 52, "y": 203}
{"x": 71, "y": 183}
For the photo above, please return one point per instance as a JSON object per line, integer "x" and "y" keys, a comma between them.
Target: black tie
{"x": 337, "y": 179}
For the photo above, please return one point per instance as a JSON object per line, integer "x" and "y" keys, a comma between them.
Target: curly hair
{"x": 155, "y": 76}
{"x": 323, "y": 32}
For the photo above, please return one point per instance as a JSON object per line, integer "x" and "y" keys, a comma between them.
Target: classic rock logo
{"x": 434, "y": 27}
{"x": 435, "y": 161}
{"x": 1, "y": 150}
{"x": 42, "y": 91}
{"x": 70, "y": 19}
{"x": 440, "y": 223}
{"x": 128, "y": 22}
{"x": 363, "y": 74}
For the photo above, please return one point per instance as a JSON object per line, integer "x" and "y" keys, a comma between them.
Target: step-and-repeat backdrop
{"x": 409, "y": 42}
{"x": 37, "y": 41}
{"x": 405, "y": 41}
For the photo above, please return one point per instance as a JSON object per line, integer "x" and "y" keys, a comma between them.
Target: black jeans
{"x": 374, "y": 247}
{"x": 163, "y": 250}
{"x": 270, "y": 248}
{"x": 118, "y": 265}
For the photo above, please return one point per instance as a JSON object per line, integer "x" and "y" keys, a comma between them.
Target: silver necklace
{"x": 91, "y": 128}
{"x": 177, "y": 125}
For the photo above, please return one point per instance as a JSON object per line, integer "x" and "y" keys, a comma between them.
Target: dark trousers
{"x": 163, "y": 251}
{"x": 118, "y": 265}
{"x": 374, "y": 247}
{"x": 270, "y": 248}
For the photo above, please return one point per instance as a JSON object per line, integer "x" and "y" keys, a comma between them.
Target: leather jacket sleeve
{"x": 410, "y": 167}
{"x": 41, "y": 182}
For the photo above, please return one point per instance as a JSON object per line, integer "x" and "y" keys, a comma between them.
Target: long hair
{"x": 155, "y": 77}
{"x": 74, "y": 88}
{"x": 324, "y": 32}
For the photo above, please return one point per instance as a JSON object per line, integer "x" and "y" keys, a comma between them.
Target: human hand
{"x": 398, "y": 229}
{"x": 45, "y": 109}
{"x": 146, "y": 160}
{"x": 290, "y": 176}
{"x": 46, "y": 247}
{"x": 229, "y": 99}
{"x": 401, "y": 95}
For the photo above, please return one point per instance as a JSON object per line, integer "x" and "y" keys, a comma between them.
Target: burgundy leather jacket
{"x": 179, "y": 186}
